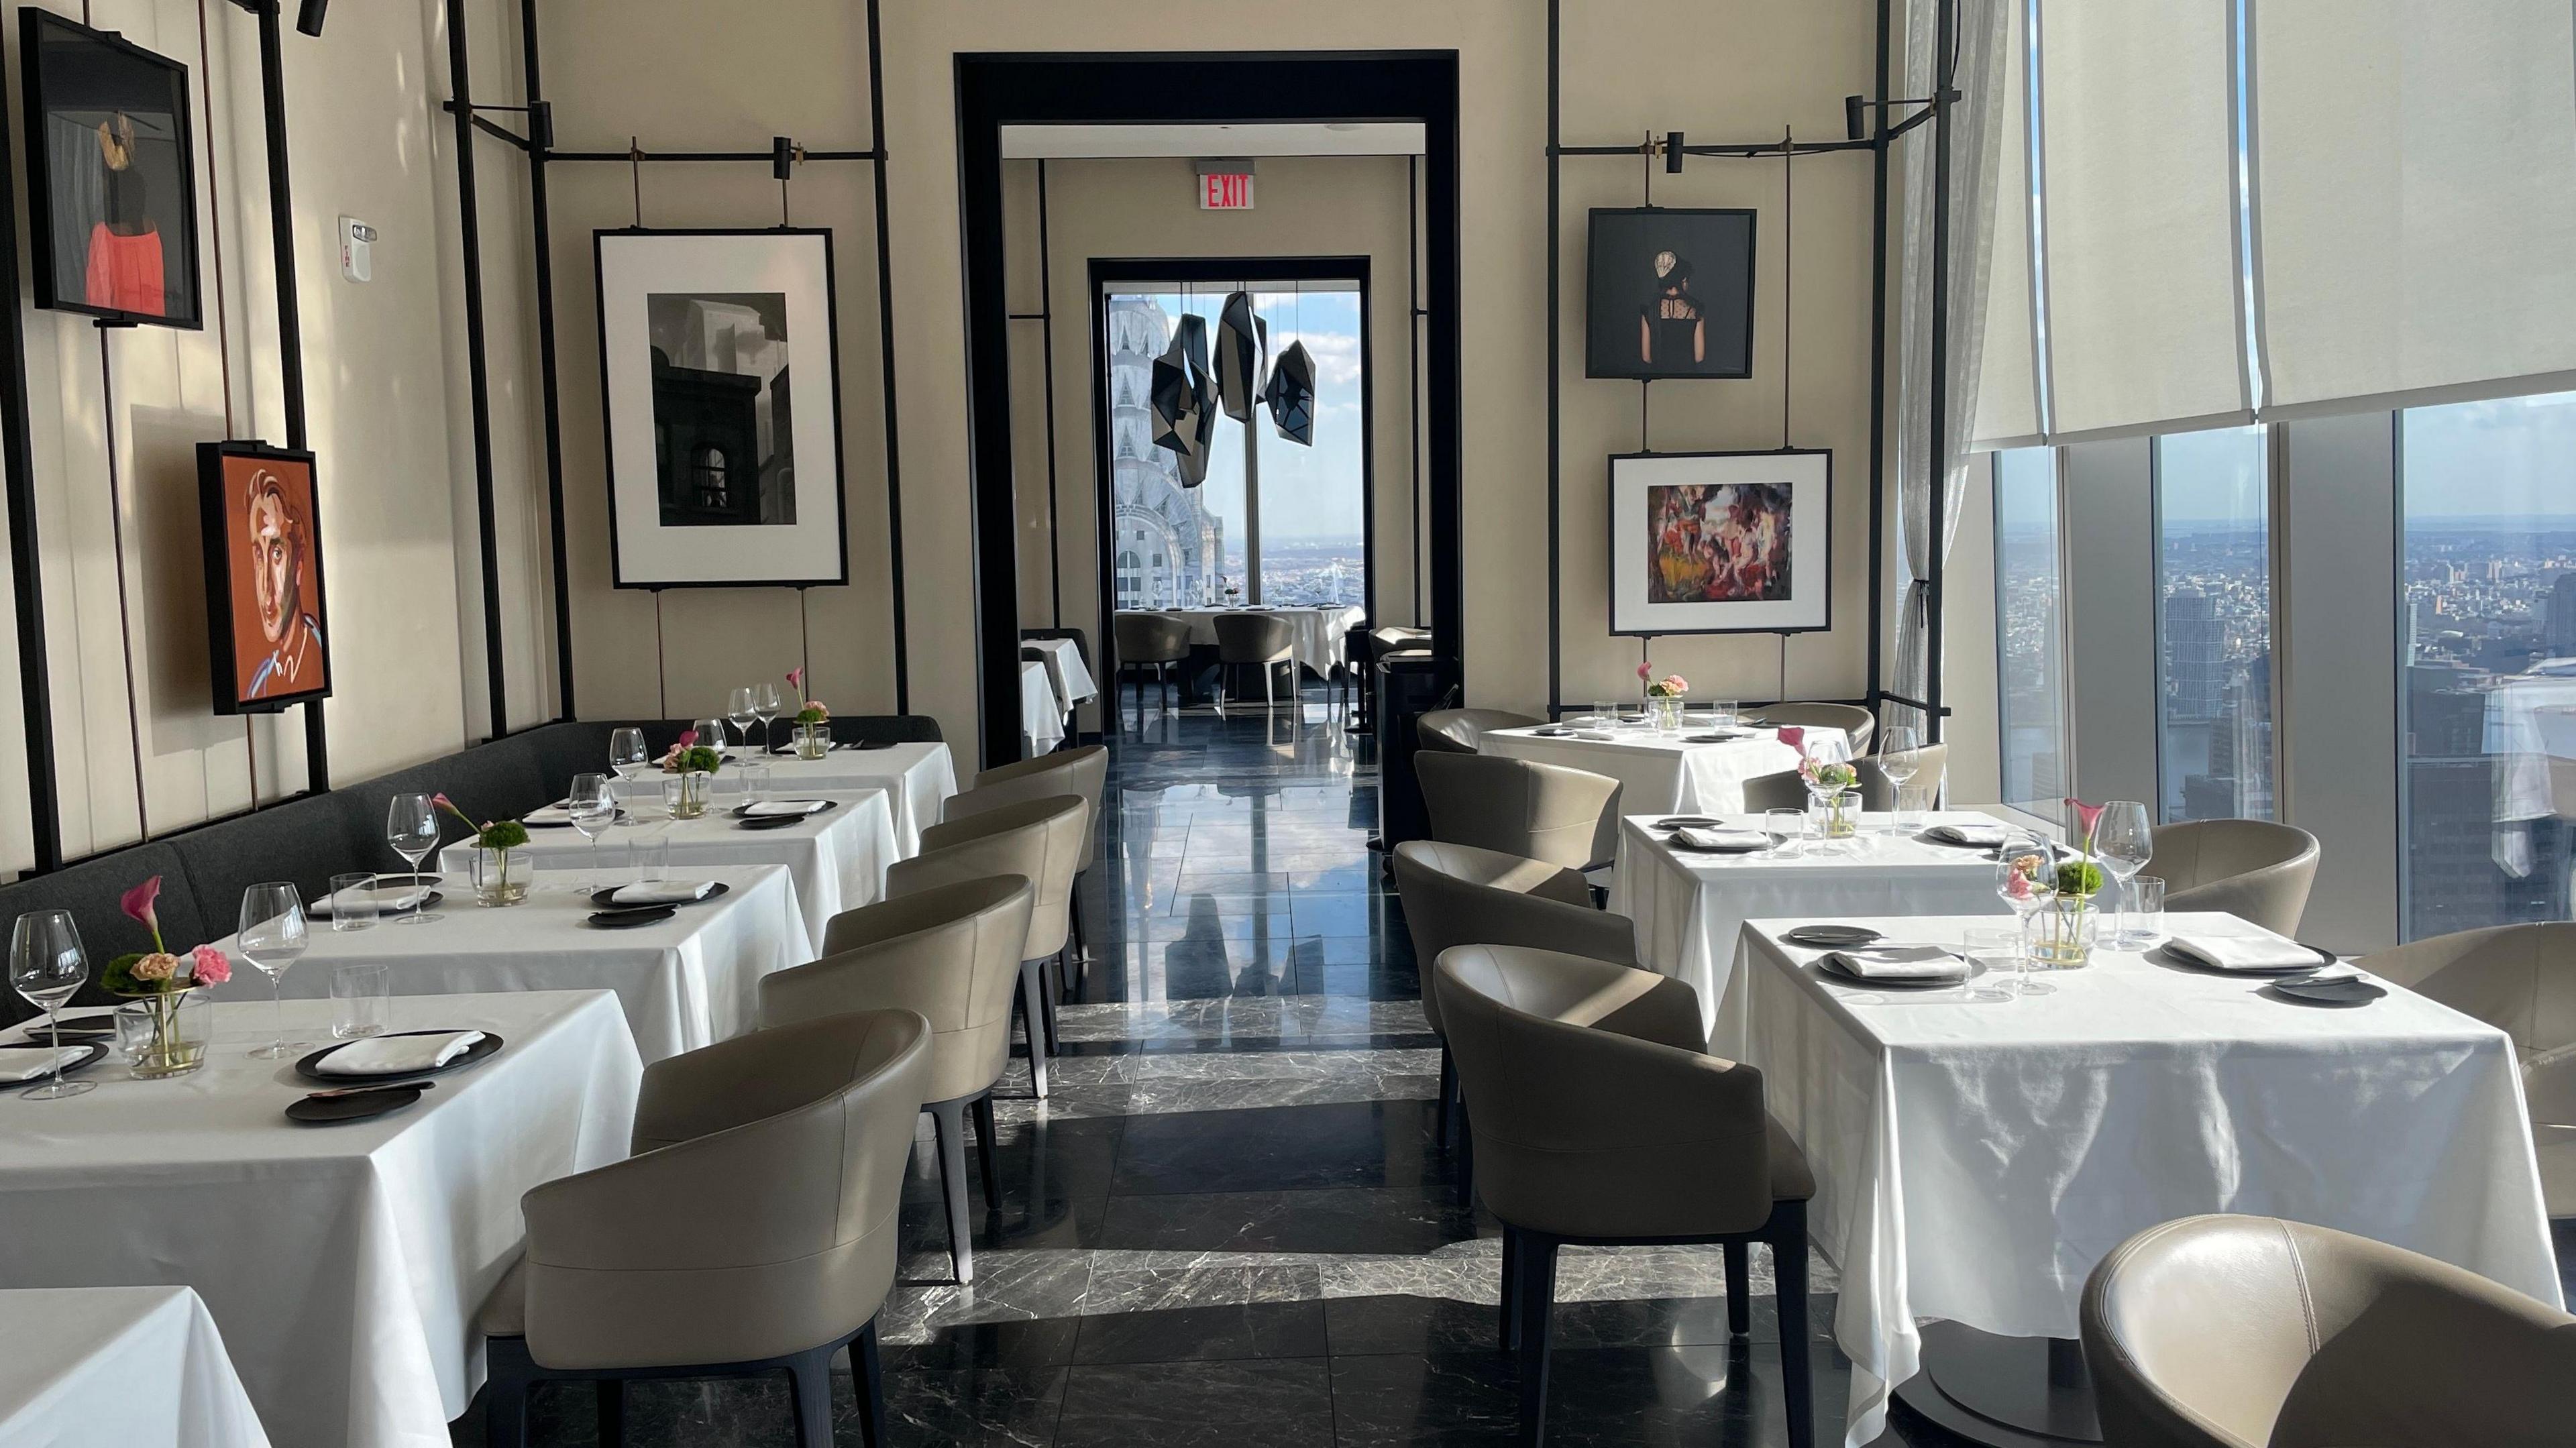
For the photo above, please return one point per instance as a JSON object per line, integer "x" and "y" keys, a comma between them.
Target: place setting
{"x": 411, "y": 1056}
{"x": 2291, "y": 971}
{"x": 1856, "y": 955}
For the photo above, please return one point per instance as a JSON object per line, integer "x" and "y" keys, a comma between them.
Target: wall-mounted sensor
{"x": 357, "y": 241}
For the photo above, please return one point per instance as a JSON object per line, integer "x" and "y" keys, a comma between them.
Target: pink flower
{"x": 1645, "y": 669}
{"x": 2017, "y": 884}
{"x": 208, "y": 966}
{"x": 137, "y": 902}
{"x": 2085, "y": 815}
{"x": 1676, "y": 684}
{"x": 160, "y": 965}
{"x": 1793, "y": 736}
{"x": 796, "y": 680}
{"x": 687, "y": 738}
{"x": 442, "y": 801}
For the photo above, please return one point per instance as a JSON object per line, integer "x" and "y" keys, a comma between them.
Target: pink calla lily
{"x": 1645, "y": 668}
{"x": 2085, "y": 817}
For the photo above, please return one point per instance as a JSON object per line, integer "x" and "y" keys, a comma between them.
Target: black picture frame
{"x": 222, "y": 564}
{"x": 627, "y": 571}
{"x": 1620, "y": 247}
{"x": 1807, "y": 610}
{"x": 68, "y": 68}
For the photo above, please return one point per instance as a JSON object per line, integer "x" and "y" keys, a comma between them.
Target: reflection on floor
{"x": 1230, "y": 1224}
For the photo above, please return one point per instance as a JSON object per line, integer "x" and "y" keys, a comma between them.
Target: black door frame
{"x": 995, "y": 90}
{"x": 1127, "y": 272}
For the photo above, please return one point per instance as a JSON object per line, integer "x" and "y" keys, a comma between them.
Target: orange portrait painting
{"x": 263, "y": 577}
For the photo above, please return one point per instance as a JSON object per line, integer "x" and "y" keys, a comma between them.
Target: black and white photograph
{"x": 1669, "y": 294}
{"x": 111, "y": 175}
{"x": 720, "y": 367}
{"x": 1721, "y": 542}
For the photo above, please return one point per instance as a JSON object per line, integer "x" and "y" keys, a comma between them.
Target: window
{"x": 2486, "y": 642}
{"x": 2214, "y": 624}
{"x": 2030, "y": 682}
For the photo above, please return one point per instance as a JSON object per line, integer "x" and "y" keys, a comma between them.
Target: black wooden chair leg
{"x": 809, "y": 1388}
{"x": 949, "y": 1118}
{"x": 1789, "y": 1271}
{"x": 1033, "y": 1019}
{"x": 1537, "y": 1268}
{"x": 1448, "y": 1091}
{"x": 987, "y": 1140}
{"x": 1047, "y": 997}
{"x": 505, "y": 1393}
{"x": 610, "y": 1395}
{"x": 1739, "y": 1288}
{"x": 1466, "y": 1154}
{"x": 867, "y": 1383}
{"x": 1511, "y": 1333}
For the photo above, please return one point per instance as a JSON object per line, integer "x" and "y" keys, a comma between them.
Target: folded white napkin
{"x": 1903, "y": 962}
{"x": 662, "y": 892}
{"x": 1987, "y": 835}
{"x": 390, "y": 900}
{"x": 1594, "y": 734}
{"x": 1699, "y": 838}
{"x": 770, "y": 808}
{"x": 398, "y": 1055}
{"x": 2246, "y": 947}
{"x": 31, "y": 1065}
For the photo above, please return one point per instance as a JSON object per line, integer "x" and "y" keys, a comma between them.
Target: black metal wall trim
{"x": 541, "y": 228}
{"x": 26, "y": 560}
{"x": 477, "y": 371}
{"x": 885, "y": 334}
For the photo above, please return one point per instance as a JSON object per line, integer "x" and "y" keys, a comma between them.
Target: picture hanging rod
{"x": 1761, "y": 150}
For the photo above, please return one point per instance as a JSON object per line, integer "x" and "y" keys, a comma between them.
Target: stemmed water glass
{"x": 766, "y": 706}
{"x": 2026, "y": 878}
{"x": 592, "y": 806}
{"x": 738, "y": 710}
{"x": 2123, "y": 841}
{"x": 411, "y": 827}
{"x": 47, "y": 966}
{"x": 273, "y": 937}
{"x": 1900, "y": 758}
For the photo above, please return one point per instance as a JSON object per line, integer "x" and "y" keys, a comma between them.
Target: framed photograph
{"x": 111, "y": 175}
{"x": 1669, "y": 293}
{"x": 720, "y": 361}
{"x": 1733, "y": 542}
{"x": 264, "y": 612}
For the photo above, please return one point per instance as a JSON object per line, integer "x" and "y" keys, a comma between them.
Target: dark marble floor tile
{"x": 1260, "y": 1404}
{"x": 982, "y": 1407}
{"x": 1364, "y": 874}
{"x": 1392, "y": 980}
{"x": 1204, "y": 1334}
{"x": 1361, "y": 1145}
{"x": 1376, "y": 1220}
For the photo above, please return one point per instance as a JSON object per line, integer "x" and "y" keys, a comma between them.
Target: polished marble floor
{"x": 1231, "y": 1224}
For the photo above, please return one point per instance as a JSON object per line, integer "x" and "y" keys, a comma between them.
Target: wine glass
{"x": 738, "y": 709}
{"x": 411, "y": 827}
{"x": 626, "y": 754}
{"x": 711, "y": 733}
{"x": 766, "y": 706}
{"x": 1900, "y": 758}
{"x": 273, "y": 938}
{"x": 47, "y": 965}
{"x": 593, "y": 808}
{"x": 2026, "y": 878}
{"x": 2123, "y": 841}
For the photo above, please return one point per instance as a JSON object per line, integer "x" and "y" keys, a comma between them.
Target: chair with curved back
{"x": 1040, "y": 839}
{"x": 2250, "y": 1332}
{"x": 753, "y": 1230}
{"x": 1263, "y": 639}
{"x": 2521, "y": 979}
{"x": 1082, "y": 771}
{"x": 1857, "y": 723}
{"x": 2253, "y": 869}
{"x": 1148, "y": 640}
{"x": 1567, "y": 817}
{"x": 952, "y": 955}
{"x": 1462, "y": 731}
{"x": 1556, "y": 1054}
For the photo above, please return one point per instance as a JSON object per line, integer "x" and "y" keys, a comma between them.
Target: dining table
{"x": 1041, "y": 718}
{"x": 684, "y": 982}
{"x": 837, "y": 857}
{"x": 917, "y": 776}
{"x": 135, "y": 1367}
{"x": 1698, "y": 769}
{"x": 344, "y": 1263}
{"x": 1066, "y": 672}
{"x": 1315, "y": 631}
{"x": 1978, "y": 1150}
{"x": 1689, "y": 905}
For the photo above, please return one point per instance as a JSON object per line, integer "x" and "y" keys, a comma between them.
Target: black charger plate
{"x": 630, "y": 918}
{"x": 2167, "y": 955}
{"x": 740, "y": 812}
{"x": 2349, "y": 991}
{"x": 323, "y": 1110}
{"x": 1827, "y": 966}
{"x": 310, "y": 1068}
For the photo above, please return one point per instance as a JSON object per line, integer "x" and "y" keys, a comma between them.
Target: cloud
{"x": 1336, "y": 354}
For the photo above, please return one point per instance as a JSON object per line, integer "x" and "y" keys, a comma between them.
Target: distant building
{"x": 2561, "y": 631}
{"x": 1169, "y": 548}
{"x": 2195, "y": 656}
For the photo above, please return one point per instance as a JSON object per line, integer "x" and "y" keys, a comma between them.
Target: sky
{"x": 1306, "y": 492}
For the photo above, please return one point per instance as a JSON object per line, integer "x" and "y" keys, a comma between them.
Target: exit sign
{"x": 1225, "y": 191}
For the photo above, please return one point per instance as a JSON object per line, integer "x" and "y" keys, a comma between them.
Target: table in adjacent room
{"x": 1315, "y": 632}
{"x": 1066, "y": 671}
{"x": 1660, "y": 773}
{"x": 344, "y": 1263}
{"x": 1689, "y": 905}
{"x": 135, "y": 1367}
{"x": 1041, "y": 722}
{"x": 917, "y": 779}
{"x": 685, "y": 982}
{"x": 1974, "y": 1159}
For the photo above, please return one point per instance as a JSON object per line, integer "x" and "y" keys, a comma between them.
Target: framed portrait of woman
{"x": 1721, "y": 542}
{"x": 1669, "y": 294}
{"x": 111, "y": 175}
{"x": 264, "y": 614}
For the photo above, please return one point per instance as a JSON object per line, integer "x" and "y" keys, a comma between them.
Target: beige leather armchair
{"x": 1599, "y": 1118}
{"x": 1039, "y": 839}
{"x": 1462, "y": 731}
{"x": 2520, "y": 979}
{"x": 1263, "y": 639}
{"x": 951, "y": 954}
{"x": 753, "y": 1230}
{"x": 2252, "y": 869}
{"x": 1567, "y": 817}
{"x": 1082, "y": 771}
{"x": 1857, "y": 723}
{"x": 2249, "y": 1332}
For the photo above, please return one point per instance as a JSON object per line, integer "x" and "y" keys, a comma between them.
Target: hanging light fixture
{"x": 1183, "y": 399}
{"x": 1291, "y": 395}
{"x": 1242, "y": 345}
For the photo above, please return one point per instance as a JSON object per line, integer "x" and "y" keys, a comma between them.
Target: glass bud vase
{"x": 164, "y": 1035}
{"x": 1665, "y": 713}
{"x": 2061, "y": 934}
{"x": 500, "y": 879}
{"x": 1837, "y": 814}
{"x": 697, "y": 787}
{"x": 813, "y": 741}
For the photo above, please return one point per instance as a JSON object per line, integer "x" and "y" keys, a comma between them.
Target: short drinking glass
{"x": 1788, "y": 831}
{"x": 1998, "y": 949}
{"x": 361, "y": 1001}
{"x": 2145, "y": 898}
{"x": 353, "y": 901}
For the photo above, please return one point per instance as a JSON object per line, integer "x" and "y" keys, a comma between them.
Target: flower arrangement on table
{"x": 159, "y": 981}
{"x": 493, "y": 842}
{"x": 1663, "y": 697}
{"x": 1834, "y": 785}
{"x": 696, "y": 765}
{"x": 813, "y": 721}
{"x": 2063, "y": 931}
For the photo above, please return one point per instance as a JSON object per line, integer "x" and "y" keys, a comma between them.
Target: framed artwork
{"x": 1729, "y": 542}
{"x": 264, "y": 609}
{"x": 720, "y": 362}
{"x": 1669, "y": 293}
{"x": 111, "y": 175}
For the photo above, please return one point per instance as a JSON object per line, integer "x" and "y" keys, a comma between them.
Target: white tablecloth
{"x": 133, "y": 1367}
{"x": 691, "y": 981}
{"x": 1690, "y": 907}
{"x": 917, "y": 780}
{"x": 1974, "y": 1161}
{"x": 1317, "y": 643}
{"x": 1662, "y": 774}
{"x": 837, "y": 859}
{"x": 344, "y": 1263}
{"x": 1065, "y": 671}
{"x": 1041, "y": 722}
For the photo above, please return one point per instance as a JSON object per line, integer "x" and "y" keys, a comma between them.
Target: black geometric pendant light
{"x": 1291, "y": 394}
{"x": 1241, "y": 340}
{"x": 1183, "y": 399}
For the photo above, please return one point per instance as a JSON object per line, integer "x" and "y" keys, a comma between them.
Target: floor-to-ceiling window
{"x": 2214, "y": 625}
{"x": 1275, "y": 521}
{"x": 2030, "y": 679}
{"x": 2487, "y": 649}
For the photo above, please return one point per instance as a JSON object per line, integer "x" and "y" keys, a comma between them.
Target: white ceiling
{"x": 1306, "y": 138}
